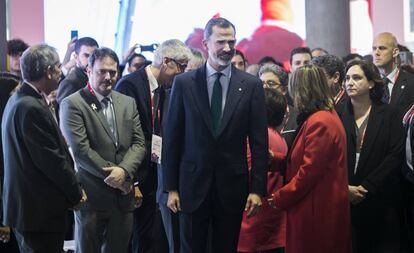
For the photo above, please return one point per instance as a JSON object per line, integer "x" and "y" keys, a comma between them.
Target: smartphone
{"x": 149, "y": 48}
{"x": 406, "y": 58}
{"x": 73, "y": 34}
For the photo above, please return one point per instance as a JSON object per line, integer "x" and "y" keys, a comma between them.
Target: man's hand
{"x": 116, "y": 176}
{"x": 82, "y": 200}
{"x": 356, "y": 194}
{"x": 126, "y": 187}
{"x": 271, "y": 202}
{"x": 253, "y": 204}
{"x": 174, "y": 201}
{"x": 4, "y": 234}
{"x": 138, "y": 197}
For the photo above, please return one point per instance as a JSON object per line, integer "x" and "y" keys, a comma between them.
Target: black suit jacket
{"x": 74, "y": 81}
{"x": 402, "y": 95}
{"x": 39, "y": 178}
{"x": 136, "y": 85}
{"x": 194, "y": 160}
{"x": 379, "y": 167}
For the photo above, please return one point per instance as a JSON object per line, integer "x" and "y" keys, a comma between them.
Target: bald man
{"x": 400, "y": 83}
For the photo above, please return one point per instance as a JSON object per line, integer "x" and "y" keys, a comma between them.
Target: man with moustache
{"x": 150, "y": 87}
{"x": 103, "y": 129}
{"x": 77, "y": 78}
{"x": 213, "y": 112}
{"x": 39, "y": 177}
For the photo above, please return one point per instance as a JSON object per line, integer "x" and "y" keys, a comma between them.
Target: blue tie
{"x": 216, "y": 104}
{"x": 386, "y": 96}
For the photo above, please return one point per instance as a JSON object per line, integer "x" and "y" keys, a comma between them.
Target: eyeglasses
{"x": 180, "y": 66}
{"x": 271, "y": 84}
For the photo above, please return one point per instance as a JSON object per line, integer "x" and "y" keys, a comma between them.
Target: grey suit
{"x": 88, "y": 134}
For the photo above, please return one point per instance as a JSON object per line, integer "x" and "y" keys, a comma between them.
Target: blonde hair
{"x": 309, "y": 89}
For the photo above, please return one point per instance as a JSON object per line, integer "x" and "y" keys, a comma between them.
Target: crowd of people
{"x": 207, "y": 153}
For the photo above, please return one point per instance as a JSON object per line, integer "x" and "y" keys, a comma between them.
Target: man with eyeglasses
{"x": 150, "y": 87}
{"x": 103, "y": 129}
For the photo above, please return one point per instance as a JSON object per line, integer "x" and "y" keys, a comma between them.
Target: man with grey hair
{"x": 39, "y": 176}
{"x": 214, "y": 111}
{"x": 196, "y": 61}
{"x": 148, "y": 86}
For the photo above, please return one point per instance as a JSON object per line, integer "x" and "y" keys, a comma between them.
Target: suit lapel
{"x": 234, "y": 93}
{"x": 93, "y": 102}
{"x": 399, "y": 87}
{"x": 374, "y": 124}
{"x": 200, "y": 93}
{"x": 116, "y": 101}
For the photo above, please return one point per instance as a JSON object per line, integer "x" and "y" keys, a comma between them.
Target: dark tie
{"x": 216, "y": 104}
{"x": 109, "y": 114}
{"x": 386, "y": 95}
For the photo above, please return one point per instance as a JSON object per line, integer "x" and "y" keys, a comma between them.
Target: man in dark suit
{"x": 39, "y": 176}
{"x": 77, "y": 78}
{"x": 103, "y": 129}
{"x": 214, "y": 111}
{"x": 148, "y": 87}
{"x": 399, "y": 83}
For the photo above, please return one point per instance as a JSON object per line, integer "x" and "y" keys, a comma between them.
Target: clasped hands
{"x": 116, "y": 179}
{"x": 356, "y": 193}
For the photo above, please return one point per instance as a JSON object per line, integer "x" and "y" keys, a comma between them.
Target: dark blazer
{"x": 193, "y": 158}
{"x": 136, "y": 85}
{"x": 94, "y": 146}
{"x": 379, "y": 167}
{"x": 402, "y": 95}
{"x": 40, "y": 183}
{"x": 74, "y": 81}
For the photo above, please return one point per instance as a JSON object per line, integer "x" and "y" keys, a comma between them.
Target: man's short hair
{"x": 16, "y": 47}
{"x": 300, "y": 50}
{"x": 331, "y": 64}
{"x": 277, "y": 71}
{"x": 220, "y": 22}
{"x": 100, "y": 53}
{"x": 174, "y": 49}
{"x": 85, "y": 41}
{"x": 35, "y": 61}
{"x": 135, "y": 55}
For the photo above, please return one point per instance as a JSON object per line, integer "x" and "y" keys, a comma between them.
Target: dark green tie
{"x": 216, "y": 104}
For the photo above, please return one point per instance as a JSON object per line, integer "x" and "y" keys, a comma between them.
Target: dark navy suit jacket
{"x": 194, "y": 160}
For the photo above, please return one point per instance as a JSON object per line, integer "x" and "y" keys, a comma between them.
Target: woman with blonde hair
{"x": 316, "y": 195}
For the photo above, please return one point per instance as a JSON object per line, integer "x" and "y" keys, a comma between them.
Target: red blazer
{"x": 316, "y": 197}
{"x": 267, "y": 229}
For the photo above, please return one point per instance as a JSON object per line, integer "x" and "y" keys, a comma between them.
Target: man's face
{"x": 384, "y": 51}
{"x": 238, "y": 62}
{"x": 272, "y": 81}
{"x": 220, "y": 47}
{"x": 299, "y": 60}
{"x": 15, "y": 64}
{"x": 170, "y": 68}
{"x": 103, "y": 75}
{"x": 83, "y": 56}
{"x": 136, "y": 64}
{"x": 54, "y": 74}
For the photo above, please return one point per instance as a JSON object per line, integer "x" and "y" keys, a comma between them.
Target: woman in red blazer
{"x": 266, "y": 231}
{"x": 316, "y": 195}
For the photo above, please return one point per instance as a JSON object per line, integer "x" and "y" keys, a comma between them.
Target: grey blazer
{"x": 88, "y": 134}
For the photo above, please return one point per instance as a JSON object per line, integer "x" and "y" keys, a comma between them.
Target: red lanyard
{"x": 339, "y": 96}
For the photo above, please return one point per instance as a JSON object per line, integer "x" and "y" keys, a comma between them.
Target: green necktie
{"x": 216, "y": 104}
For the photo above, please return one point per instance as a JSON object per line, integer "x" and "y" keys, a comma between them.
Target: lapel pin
{"x": 403, "y": 86}
{"x": 94, "y": 107}
{"x": 240, "y": 89}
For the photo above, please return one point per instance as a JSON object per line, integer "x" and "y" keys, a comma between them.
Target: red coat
{"x": 267, "y": 229}
{"x": 316, "y": 197}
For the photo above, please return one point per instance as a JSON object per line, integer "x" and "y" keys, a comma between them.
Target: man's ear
{"x": 395, "y": 52}
{"x": 336, "y": 77}
{"x": 204, "y": 42}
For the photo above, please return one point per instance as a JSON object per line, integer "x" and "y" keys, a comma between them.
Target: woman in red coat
{"x": 266, "y": 231}
{"x": 316, "y": 195}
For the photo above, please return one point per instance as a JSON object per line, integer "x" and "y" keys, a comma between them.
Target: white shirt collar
{"x": 393, "y": 75}
{"x": 210, "y": 71}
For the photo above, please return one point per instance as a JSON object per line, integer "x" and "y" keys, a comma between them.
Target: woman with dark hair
{"x": 266, "y": 231}
{"x": 316, "y": 195}
{"x": 375, "y": 141}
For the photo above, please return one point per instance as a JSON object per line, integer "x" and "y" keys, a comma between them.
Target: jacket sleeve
{"x": 43, "y": 144}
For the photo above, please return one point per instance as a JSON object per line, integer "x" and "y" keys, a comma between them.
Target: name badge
{"x": 156, "y": 148}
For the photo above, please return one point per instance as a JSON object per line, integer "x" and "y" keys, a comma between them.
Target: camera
{"x": 406, "y": 58}
{"x": 149, "y": 48}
